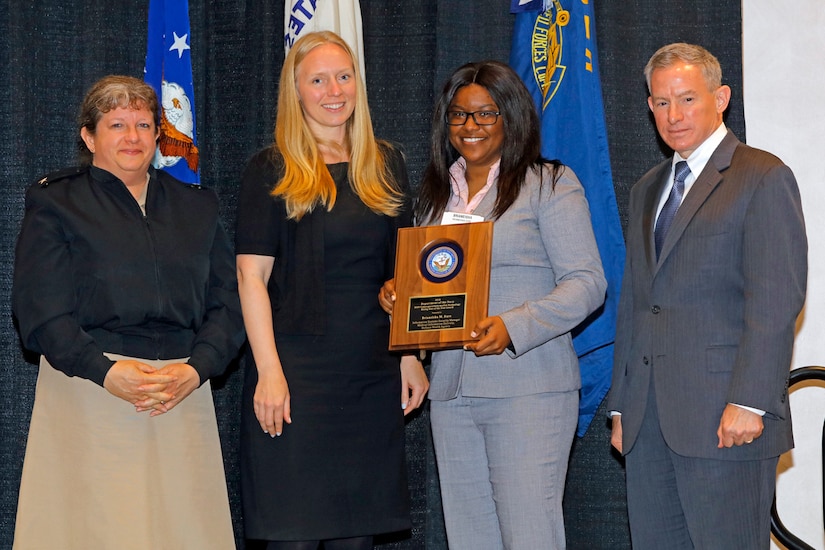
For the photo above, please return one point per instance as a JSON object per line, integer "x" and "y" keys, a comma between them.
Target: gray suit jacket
{"x": 713, "y": 320}
{"x": 546, "y": 277}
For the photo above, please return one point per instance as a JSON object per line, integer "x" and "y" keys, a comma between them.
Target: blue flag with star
{"x": 169, "y": 71}
{"x": 554, "y": 52}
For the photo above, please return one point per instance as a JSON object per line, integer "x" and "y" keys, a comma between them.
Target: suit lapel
{"x": 485, "y": 207}
{"x": 704, "y": 185}
{"x": 651, "y": 200}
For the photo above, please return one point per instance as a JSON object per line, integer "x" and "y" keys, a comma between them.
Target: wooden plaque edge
{"x": 478, "y": 248}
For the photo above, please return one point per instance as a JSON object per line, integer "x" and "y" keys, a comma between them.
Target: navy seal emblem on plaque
{"x": 441, "y": 261}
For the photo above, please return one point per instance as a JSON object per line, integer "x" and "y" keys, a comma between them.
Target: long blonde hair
{"x": 306, "y": 182}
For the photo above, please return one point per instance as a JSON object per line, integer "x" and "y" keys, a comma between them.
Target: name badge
{"x": 451, "y": 218}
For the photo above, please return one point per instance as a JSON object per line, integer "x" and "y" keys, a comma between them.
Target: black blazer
{"x": 93, "y": 274}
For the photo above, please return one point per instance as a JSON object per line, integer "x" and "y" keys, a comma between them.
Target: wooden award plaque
{"x": 442, "y": 285}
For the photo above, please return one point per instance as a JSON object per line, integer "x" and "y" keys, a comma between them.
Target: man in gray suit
{"x": 706, "y": 321}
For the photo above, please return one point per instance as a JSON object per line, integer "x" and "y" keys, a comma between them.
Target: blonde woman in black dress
{"x": 322, "y": 443}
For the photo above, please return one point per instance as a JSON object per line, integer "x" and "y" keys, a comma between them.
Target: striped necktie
{"x": 672, "y": 205}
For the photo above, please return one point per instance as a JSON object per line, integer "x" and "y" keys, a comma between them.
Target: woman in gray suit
{"x": 504, "y": 408}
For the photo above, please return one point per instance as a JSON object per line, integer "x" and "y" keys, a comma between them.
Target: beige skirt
{"x": 98, "y": 475}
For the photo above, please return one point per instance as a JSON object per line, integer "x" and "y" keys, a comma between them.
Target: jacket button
{"x": 645, "y": 360}
{"x": 655, "y": 309}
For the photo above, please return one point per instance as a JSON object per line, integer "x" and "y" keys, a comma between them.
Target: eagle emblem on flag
{"x": 176, "y": 129}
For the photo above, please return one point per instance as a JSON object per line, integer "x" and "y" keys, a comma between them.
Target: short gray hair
{"x": 108, "y": 93}
{"x": 669, "y": 55}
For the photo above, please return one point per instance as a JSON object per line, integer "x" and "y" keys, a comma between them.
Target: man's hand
{"x": 616, "y": 434}
{"x": 738, "y": 426}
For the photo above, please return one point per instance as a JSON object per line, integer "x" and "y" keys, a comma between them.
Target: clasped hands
{"x": 150, "y": 389}
{"x": 491, "y": 332}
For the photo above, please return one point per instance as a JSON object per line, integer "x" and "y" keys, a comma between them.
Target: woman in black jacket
{"x": 124, "y": 281}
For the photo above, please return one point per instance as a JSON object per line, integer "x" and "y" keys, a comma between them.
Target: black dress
{"x": 338, "y": 470}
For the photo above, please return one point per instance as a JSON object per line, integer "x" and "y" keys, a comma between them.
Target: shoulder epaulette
{"x": 66, "y": 173}
{"x": 166, "y": 176}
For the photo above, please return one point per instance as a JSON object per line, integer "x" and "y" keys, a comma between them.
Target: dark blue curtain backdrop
{"x": 50, "y": 52}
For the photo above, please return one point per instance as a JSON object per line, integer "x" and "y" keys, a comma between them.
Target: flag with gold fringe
{"x": 554, "y": 52}
{"x": 169, "y": 71}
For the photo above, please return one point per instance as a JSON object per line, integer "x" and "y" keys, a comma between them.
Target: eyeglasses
{"x": 482, "y": 118}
